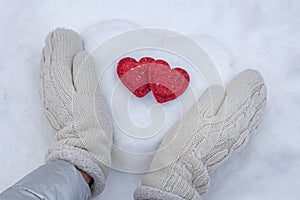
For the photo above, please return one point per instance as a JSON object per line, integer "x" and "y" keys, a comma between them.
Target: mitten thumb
{"x": 84, "y": 73}
{"x": 210, "y": 101}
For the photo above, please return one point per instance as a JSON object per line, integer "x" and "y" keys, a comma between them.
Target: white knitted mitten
{"x": 74, "y": 108}
{"x": 217, "y": 126}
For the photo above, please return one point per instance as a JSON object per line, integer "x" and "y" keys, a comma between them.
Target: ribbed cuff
{"x": 151, "y": 193}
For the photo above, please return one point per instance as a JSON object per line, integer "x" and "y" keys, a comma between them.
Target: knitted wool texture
{"x": 217, "y": 126}
{"x": 75, "y": 111}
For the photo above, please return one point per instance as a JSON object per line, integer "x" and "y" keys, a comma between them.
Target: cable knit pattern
{"x": 215, "y": 128}
{"x": 77, "y": 115}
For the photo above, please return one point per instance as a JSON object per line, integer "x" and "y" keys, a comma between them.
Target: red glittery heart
{"x": 149, "y": 74}
{"x": 134, "y": 75}
{"x": 166, "y": 83}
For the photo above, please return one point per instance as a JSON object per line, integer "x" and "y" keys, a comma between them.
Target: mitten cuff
{"x": 151, "y": 193}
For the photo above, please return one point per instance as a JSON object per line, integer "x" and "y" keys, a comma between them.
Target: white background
{"x": 258, "y": 34}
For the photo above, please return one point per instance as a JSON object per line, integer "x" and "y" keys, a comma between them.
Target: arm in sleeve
{"x": 57, "y": 180}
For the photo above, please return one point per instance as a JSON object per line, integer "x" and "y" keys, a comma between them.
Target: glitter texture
{"x": 153, "y": 75}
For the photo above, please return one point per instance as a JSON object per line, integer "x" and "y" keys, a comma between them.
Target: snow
{"x": 140, "y": 123}
{"x": 258, "y": 34}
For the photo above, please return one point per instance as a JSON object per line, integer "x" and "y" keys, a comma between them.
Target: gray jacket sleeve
{"x": 57, "y": 180}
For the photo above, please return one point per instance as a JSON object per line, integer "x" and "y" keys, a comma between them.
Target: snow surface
{"x": 258, "y": 34}
{"x": 141, "y": 123}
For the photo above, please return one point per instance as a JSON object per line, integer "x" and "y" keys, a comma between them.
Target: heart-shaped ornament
{"x": 166, "y": 83}
{"x": 153, "y": 75}
{"x": 134, "y": 75}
